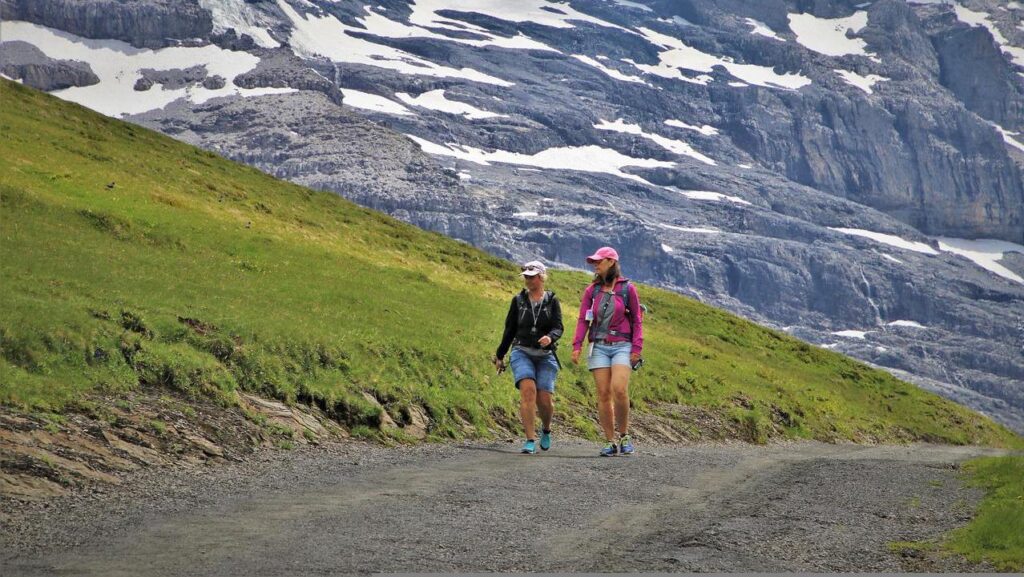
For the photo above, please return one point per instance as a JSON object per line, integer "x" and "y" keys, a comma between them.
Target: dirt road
{"x": 354, "y": 509}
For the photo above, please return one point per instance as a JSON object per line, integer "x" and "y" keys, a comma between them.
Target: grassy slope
{"x": 205, "y": 275}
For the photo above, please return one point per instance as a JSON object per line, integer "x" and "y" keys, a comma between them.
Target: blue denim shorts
{"x": 542, "y": 370}
{"x": 603, "y": 356}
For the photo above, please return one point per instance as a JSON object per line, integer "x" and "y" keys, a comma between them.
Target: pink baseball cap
{"x": 603, "y": 253}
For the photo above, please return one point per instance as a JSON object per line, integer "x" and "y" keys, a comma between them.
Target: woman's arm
{"x": 638, "y": 320}
{"x": 556, "y": 320}
{"x": 582, "y": 324}
{"x": 511, "y": 324}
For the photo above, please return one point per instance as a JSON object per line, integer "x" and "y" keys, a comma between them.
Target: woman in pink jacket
{"x": 610, "y": 313}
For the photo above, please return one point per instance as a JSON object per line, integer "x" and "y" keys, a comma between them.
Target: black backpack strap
{"x": 624, "y": 293}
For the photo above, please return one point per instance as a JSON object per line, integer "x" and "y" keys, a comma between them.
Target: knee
{"x": 528, "y": 390}
{"x": 604, "y": 396}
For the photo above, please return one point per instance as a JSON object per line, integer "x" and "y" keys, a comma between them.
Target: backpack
{"x": 623, "y": 293}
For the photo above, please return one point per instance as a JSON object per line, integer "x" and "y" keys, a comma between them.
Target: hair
{"x": 614, "y": 272}
{"x": 543, "y": 276}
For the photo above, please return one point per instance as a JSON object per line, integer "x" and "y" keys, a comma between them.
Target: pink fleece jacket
{"x": 620, "y": 321}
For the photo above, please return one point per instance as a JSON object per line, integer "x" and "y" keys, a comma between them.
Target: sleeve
{"x": 581, "y": 320}
{"x": 638, "y": 320}
{"x": 511, "y": 324}
{"x": 556, "y": 320}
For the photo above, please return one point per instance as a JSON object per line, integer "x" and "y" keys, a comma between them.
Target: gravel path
{"x": 352, "y": 508}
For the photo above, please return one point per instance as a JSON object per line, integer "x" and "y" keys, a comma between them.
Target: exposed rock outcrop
{"x": 23, "y": 61}
{"x": 142, "y": 23}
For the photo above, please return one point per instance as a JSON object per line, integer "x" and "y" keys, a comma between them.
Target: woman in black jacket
{"x": 532, "y": 327}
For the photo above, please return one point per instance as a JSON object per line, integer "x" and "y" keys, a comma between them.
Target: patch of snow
{"x": 465, "y": 176}
{"x": 373, "y": 102}
{"x": 828, "y": 35}
{"x": 676, "y": 146}
{"x": 524, "y": 214}
{"x": 708, "y": 195}
{"x": 424, "y": 12}
{"x": 582, "y": 158}
{"x": 435, "y": 100}
{"x": 891, "y": 258}
{"x": 636, "y": 5}
{"x": 762, "y": 29}
{"x": 863, "y": 82}
{"x": 889, "y": 239}
{"x": 666, "y": 248}
{"x": 238, "y": 15}
{"x": 1008, "y": 137}
{"x": 380, "y": 25}
{"x": 328, "y": 37}
{"x": 705, "y": 130}
{"x": 678, "y": 56}
{"x": 609, "y": 71}
{"x": 851, "y": 334}
{"x": 985, "y": 253}
{"x": 688, "y": 229}
{"x": 118, "y": 66}
{"x": 911, "y": 324}
{"x": 983, "y": 19}
{"x": 746, "y": 166}
{"x": 738, "y": 84}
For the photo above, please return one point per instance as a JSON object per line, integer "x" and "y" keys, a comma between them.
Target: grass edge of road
{"x": 995, "y": 534}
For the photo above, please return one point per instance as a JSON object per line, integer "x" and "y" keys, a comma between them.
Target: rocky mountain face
{"x": 143, "y": 23}
{"x": 847, "y": 171}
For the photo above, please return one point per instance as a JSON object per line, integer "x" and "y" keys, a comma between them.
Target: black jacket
{"x": 519, "y": 322}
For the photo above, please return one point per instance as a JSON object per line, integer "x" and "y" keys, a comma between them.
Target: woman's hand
{"x": 544, "y": 341}
{"x": 634, "y": 358}
{"x": 576, "y": 357}
{"x": 499, "y": 364}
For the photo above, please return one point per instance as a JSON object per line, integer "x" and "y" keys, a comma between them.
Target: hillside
{"x": 133, "y": 262}
{"x": 846, "y": 171}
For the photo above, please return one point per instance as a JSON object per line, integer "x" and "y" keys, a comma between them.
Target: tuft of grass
{"x": 996, "y": 534}
{"x": 198, "y": 274}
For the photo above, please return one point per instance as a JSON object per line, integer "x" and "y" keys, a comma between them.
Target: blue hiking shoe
{"x": 609, "y": 449}
{"x": 626, "y": 446}
{"x": 545, "y": 441}
{"x": 529, "y": 447}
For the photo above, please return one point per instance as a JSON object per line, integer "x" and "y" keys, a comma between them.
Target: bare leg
{"x": 602, "y": 377}
{"x": 620, "y": 396}
{"x": 527, "y": 406}
{"x": 546, "y": 408}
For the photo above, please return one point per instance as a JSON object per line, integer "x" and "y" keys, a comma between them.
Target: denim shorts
{"x": 603, "y": 356}
{"x": 542, "y": 370}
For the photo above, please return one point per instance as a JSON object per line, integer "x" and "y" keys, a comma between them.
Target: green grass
{"x": 997, "y": 532}
{"x": 209, "y": 277}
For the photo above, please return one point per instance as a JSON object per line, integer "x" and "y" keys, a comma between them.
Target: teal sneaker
{"x": 626, "y": 446}
{"x": 545, "y": 441}
{"x": 609, "y": 449}
{"x": 529, "y": 447}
